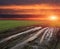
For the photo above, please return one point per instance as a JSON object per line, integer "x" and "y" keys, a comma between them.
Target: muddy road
{"x": 30, "y": 37}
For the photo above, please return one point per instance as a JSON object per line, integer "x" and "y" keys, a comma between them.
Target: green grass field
{"x": 8, "y": 24}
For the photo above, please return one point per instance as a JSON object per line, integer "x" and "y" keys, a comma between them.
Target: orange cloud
{"x": 36, "y": 9}
{"x": 34, "y": 6}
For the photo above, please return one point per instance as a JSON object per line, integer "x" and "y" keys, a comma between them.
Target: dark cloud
{"x": 9, "y": 2}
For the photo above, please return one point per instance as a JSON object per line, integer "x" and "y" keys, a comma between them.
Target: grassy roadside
{"x": 7, "y": 24}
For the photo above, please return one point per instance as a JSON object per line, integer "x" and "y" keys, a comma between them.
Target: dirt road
{"x": 30, "y": 37}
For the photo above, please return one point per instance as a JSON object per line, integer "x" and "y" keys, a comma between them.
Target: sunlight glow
{"x": 53, "y": 18}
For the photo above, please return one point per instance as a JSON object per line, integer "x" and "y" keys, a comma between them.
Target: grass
{"x": 7, "y": 24}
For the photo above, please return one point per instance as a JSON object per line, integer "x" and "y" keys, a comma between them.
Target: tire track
{"x": 43, "y": 36}
{"x": 25, "y": 32}
{"x": 51, "y": 33}
{"x": 44, "y": 33}
{"x": 30, "y": 39}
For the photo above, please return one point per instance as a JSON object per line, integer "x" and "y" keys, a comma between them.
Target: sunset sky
{"x": 30, "y": 7}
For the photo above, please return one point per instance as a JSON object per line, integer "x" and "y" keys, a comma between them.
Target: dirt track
{"x": 33, "y": 37}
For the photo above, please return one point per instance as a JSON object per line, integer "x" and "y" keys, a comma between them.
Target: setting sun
{"x": 53, "y": 17}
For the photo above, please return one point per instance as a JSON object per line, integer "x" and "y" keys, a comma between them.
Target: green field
{"x": 8, "y": 24}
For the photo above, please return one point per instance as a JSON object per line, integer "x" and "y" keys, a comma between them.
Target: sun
{"x": 53, "y": 18}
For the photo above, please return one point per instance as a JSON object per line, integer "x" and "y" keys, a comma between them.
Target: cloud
{"x": 33, "y": 9}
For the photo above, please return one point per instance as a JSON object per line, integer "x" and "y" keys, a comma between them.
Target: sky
{"x": 19, "y": 2}
{"x": 30, "y": 7}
